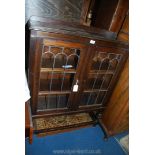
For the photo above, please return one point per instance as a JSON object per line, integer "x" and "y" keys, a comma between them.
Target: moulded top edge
{"x": 52, "y": 25}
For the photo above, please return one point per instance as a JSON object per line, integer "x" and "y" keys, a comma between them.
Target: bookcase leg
{"x": 30, "y": 135}
{"x": 98, "y": 117}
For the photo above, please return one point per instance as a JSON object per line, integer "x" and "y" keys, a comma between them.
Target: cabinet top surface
{"x": 62, "y": 27}
{"x": 57, "y": 26}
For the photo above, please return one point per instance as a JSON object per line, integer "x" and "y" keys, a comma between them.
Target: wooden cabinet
{"x": 72, "y": 68}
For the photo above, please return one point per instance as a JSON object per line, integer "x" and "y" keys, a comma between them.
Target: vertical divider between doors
{"x": 83, "y": 73}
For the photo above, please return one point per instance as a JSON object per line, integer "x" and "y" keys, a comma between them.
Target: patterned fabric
{"x": 60, "y": 121}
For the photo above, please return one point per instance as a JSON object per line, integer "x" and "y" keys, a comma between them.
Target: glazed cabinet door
{"x": 103, "y": 70}
{"x": 59, "y": 66}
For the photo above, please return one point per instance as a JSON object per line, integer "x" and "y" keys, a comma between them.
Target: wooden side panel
{"x": 123, "y": 34}
{"x": 34, "y": 69}
{"x": 115, "y": 117}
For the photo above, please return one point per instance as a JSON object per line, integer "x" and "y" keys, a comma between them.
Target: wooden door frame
{"x": 36, "y": 44}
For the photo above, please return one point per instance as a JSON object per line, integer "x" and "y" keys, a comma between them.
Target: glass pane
{"x": 47, "y": 58}
{"x": 100, "y": 97}
{"x": 91, "y": 98}
{"x": 100, "y": 64}
{"x": 42, "y": 102}
{"x": 62, "y": 101}
{"x": 56, "y": 81}
{"x": 105, "y": 61}
{"x": 52, "y": 101}
{"x": 60, "y": 60}
{"x": 45, "y": 81}
{"x": 72, "y": 61}
{"x": 100, "y": 61}
{"x": 113, "y": 64}
{"x": 59, "y": 57}
{"x": 106, "y": 81}
{"x": 100, "y": 81}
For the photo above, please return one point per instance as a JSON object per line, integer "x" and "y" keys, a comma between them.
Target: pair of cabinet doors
{"x": 72, "y": 76}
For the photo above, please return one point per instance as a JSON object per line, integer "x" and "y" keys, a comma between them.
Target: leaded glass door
{"x": 60, "y": 63}
{"x": 104, "y": 65}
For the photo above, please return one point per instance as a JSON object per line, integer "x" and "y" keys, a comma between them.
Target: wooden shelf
{"x": 67, "y": 92}
{"x": 90, "y": 105}
{"x": 94, "y": 90}
{"x": 101, "y": 72}
{"x": 59, "y": 70}
{"x": 53, "y": 92}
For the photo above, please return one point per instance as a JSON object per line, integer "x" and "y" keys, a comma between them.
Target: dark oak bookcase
{"x": 62, "y": 55}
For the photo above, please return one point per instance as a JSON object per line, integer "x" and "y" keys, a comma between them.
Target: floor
{"x": 84, "y": 141}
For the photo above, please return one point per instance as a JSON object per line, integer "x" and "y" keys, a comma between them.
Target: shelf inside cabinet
{"x": 59, "y": 70}
{"x": 102, "y": 72}
{"x": 94, "y": 90}
{"x": 53, "y": 92}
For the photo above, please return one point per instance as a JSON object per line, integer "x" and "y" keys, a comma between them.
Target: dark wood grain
{"x": 62, "y": 27}
{"x": 44, "y": 113}
{"x": 84, "y": 40}
{"x": 68, "y": 10}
